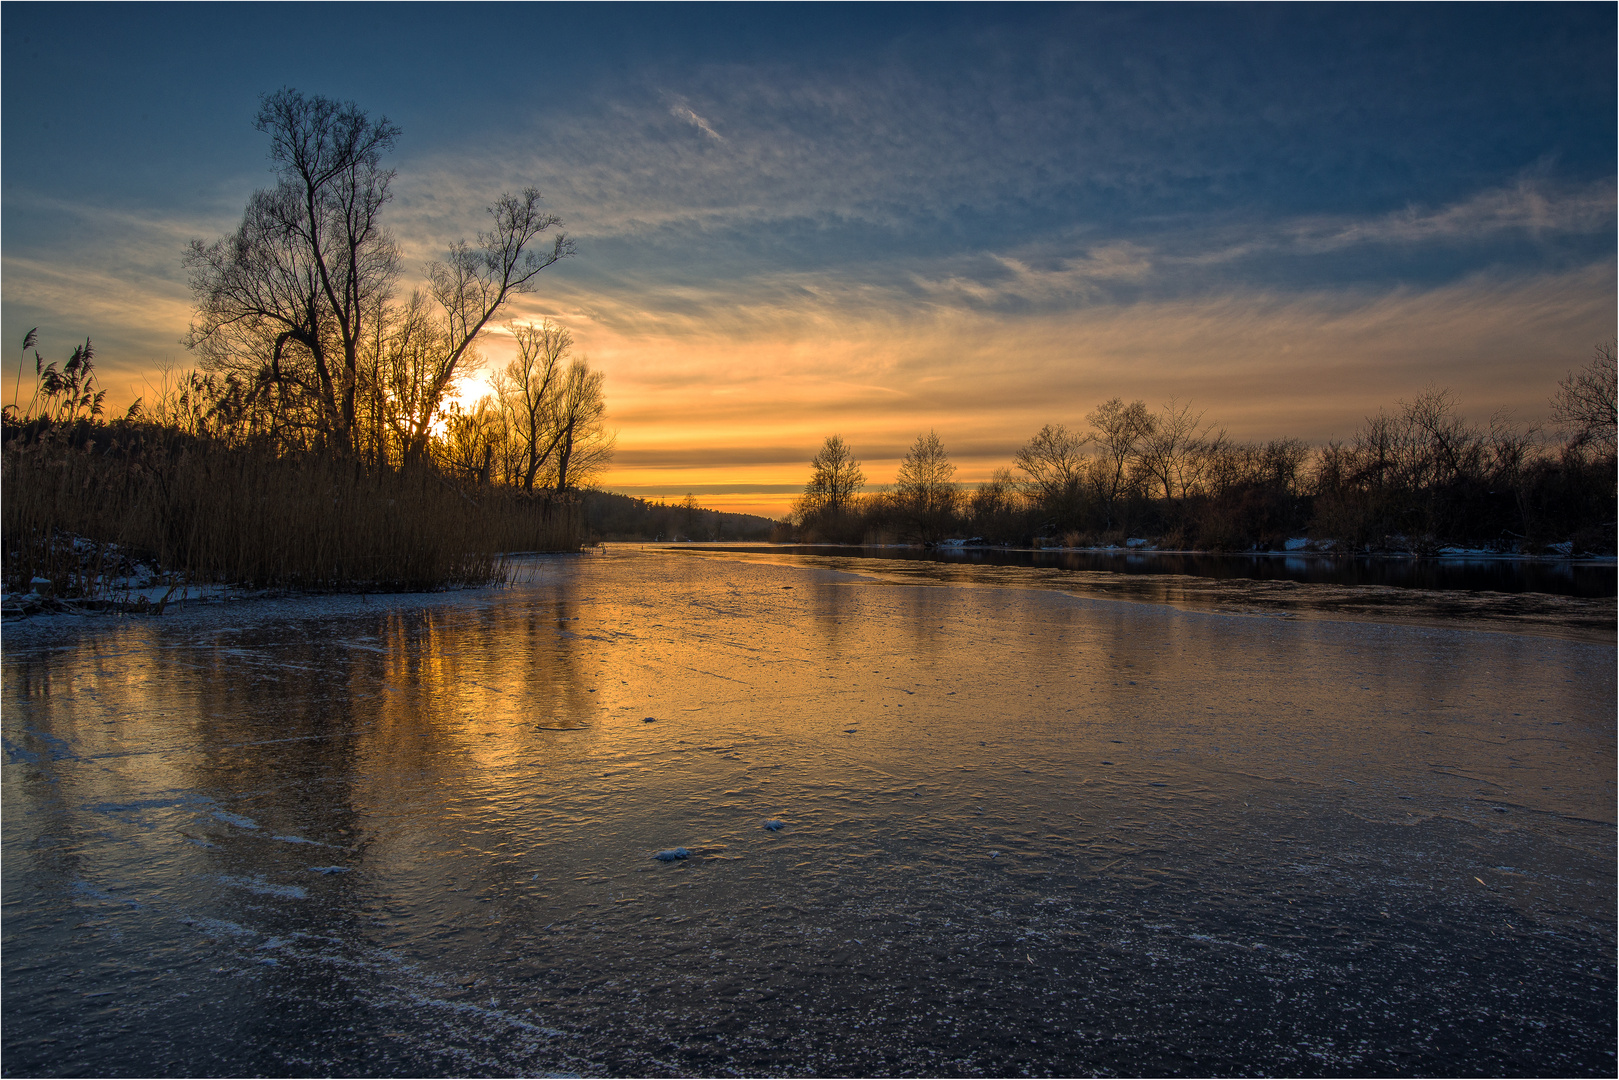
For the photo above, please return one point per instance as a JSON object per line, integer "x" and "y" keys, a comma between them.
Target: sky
{"x": 878, "y": 220}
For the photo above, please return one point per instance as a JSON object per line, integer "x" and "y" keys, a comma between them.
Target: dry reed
{"x": 215, "y": 513}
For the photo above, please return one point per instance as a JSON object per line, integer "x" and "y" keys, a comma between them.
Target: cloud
{"x": 681, "y": 111}
{"x": 1528, "y": 207}
{"x": 753, "y": 399}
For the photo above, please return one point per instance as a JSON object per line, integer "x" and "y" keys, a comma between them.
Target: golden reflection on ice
{"x": 453, "y": 801}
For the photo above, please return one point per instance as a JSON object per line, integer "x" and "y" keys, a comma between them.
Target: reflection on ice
{"x": 1027, "y": 831}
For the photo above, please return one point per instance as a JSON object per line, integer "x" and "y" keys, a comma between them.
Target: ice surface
{"x": 259, "y": 887}
{"x": 1073, "y": 835}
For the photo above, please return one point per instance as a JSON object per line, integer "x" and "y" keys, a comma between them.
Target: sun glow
{"x": 734, "y": 417}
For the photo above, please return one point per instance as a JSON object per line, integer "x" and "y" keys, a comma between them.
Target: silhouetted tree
{"x": 1119, "y": 430}
{"x": 473, "y": 284}
{"x": 835, "y": 480}
{"x": 296, "y": 304}
{"x": 1587, "y": 401}
{"x": 925, "y": 489}
{"x": 471, "y": 441}
{"x": 584, "y": 446}
{"x": 995, "y": 507}
{"x": 534, "y": 379}
{"x": 689, "y": 505}
{"x": 1054, "y": 462}
{"x": 293, "y": 288}
{"x": 1174, "y": 450}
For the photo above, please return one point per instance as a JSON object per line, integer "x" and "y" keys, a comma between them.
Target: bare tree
{"x": 925, "y": 487}
{"x": 1587, "y": 401}
{"x": 1119, "y": 430}
{"x": 1173, "y": 450}
{"x": 584, "y": 445}
{"x": 1512, "y": 449}
{"x": 260, "y": 309}
{"x": 295, "y": 300}
{"x": 473, "y": 284}
{"x": 996, "y": 502}
{"x": 534, "y": 378}
{"x": 1054, "y": 462}
{"x": 1440, "y": 446}
{"x": 835, "y": 479}
{"x": 293, "y": 287}
{"x": 409, "y": 360}
{"x": 471, "y": 440}
{"x": 1282, "y": 463}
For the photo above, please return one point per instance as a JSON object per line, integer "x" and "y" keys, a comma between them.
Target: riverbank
{"x": 94, "y": 510}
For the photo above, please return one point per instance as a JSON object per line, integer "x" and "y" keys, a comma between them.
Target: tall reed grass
{"x": 236, "y": 514}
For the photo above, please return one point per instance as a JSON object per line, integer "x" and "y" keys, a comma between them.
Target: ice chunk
{"x": 672, "y": 854}
{"x": 773, "y": 825}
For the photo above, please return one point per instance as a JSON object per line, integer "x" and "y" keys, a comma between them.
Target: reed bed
{"x": 77, "y": 502}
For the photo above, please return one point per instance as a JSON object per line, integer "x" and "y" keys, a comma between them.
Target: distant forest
{"x": 609, "y": 516}
{"x": 1415, "y": 478}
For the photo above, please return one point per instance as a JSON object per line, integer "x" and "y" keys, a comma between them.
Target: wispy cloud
{"x": 681, "y": 111}
{"x": 1529, "y": 207}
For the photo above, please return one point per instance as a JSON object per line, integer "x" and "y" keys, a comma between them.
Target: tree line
{"x": 1412, "y": 478}
{"x": 611, "y": 516}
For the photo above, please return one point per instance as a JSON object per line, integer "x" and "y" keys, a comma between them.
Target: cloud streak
{"x": 681, "y": 111}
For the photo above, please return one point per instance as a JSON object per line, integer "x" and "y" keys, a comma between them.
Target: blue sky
{"x": 877, "y": 220}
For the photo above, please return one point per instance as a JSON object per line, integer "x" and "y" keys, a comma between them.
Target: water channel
{"x": 914, "y": 819}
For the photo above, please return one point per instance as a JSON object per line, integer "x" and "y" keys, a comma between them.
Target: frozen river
{"x": 1022, "y": 831}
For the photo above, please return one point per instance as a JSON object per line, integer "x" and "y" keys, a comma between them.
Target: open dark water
{"x": 1026, "y": 829}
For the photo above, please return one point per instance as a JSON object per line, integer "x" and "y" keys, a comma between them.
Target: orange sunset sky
{"x": 875, "y": 222}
